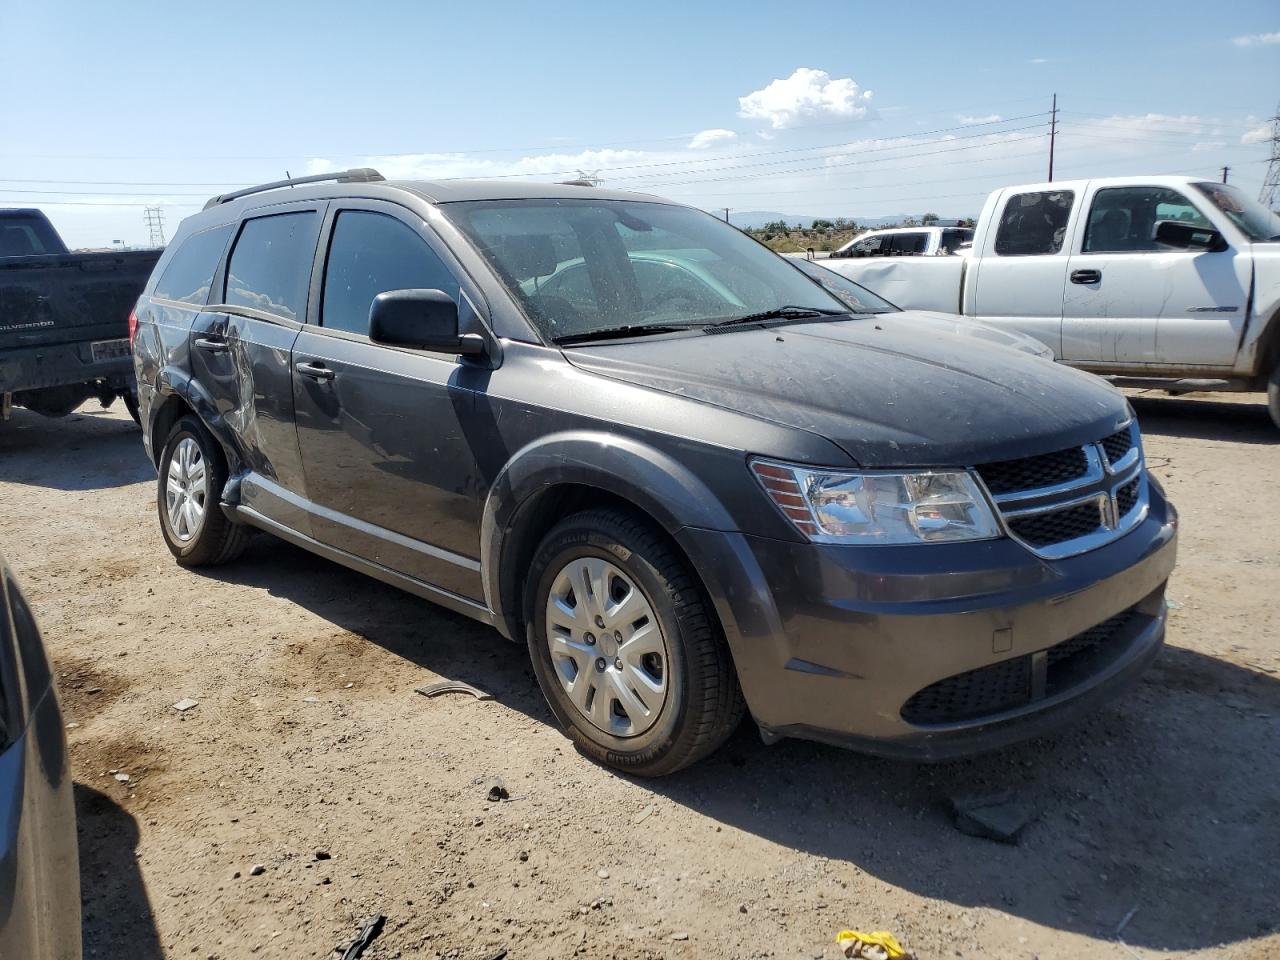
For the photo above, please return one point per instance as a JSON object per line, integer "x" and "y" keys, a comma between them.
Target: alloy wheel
{"x": 186, "y": 489}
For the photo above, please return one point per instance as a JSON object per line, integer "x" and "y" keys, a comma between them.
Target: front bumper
{"x": 832, "y": 643}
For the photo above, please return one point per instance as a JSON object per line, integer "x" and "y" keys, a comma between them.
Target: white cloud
{"x": 805, "y": 96}
{"x": 1256, "y": 39}
{"x": 1038, "y": 60}
{"x": 1257, "y": 134}
{"x": 989, "y": 118}
{"x": 708, "y": 137}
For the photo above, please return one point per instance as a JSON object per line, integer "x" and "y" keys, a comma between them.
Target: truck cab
{"x": 931, "y": 241}
{"x": 1169, "y": 282}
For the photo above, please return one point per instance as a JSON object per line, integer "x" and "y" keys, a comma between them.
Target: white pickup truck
{"x": 1166, "y": 282}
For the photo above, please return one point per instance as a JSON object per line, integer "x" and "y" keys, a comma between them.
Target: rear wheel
{"x": 189, "y": 497}
{"x": 625, "y": 646}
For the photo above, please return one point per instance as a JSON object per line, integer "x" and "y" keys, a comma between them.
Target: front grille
{"x": 1127, "y": 496}
{"x": 1008, "y": 684}
{"x": 1063, "y": 503}
{"x": 1057, "y": 526}
{"x": 1118, "y": 444}
{"x": 1028, "y": 473}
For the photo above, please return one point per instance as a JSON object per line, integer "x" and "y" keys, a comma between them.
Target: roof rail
{"x": 354, "y": 175}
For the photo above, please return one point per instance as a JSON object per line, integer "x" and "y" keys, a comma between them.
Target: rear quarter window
{"x": 1034, "y": 223}
{"x": 189, "y": 274}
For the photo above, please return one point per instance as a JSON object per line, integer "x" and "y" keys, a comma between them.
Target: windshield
{"x": 1253, "y": 218}
{"x": 578, "y": 266}
{"x": 857, "y": 298}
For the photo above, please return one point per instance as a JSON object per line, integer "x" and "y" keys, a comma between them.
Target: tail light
{"x": 133, "y": 326}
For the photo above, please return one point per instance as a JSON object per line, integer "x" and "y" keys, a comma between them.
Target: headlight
{"x": 878, "y": 508}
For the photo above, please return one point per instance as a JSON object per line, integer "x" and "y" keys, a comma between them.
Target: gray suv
{"x": 689, "y": 478}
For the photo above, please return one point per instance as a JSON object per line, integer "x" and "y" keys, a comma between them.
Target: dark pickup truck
{"x": 64, "y": 318}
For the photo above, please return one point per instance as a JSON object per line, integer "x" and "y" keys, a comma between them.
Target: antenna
{"x": 155, "y": 225}
{"x": 1271, "y": 182}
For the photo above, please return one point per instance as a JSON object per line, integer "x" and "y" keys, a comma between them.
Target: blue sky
{"x": 820, "y": 108}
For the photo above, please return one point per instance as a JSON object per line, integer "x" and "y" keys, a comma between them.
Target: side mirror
{"x": 422, "y": 320}
{"x": 1187, "y": 236}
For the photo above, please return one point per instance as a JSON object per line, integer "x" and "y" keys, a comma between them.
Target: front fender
{"x": 643, "y": 475}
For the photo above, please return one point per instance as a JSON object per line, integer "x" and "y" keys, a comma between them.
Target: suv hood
{"x": 889, "y": 394}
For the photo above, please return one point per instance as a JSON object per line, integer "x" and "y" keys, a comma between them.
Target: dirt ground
{"x": 1158, "y": 818}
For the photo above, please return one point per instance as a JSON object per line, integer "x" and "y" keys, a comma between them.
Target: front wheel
{"x": 625, "y": 646}
{"x": 189, "y": 497}
{"x": 1273, "y": 395}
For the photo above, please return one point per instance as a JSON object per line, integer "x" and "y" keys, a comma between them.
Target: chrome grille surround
{"x": 1105, "y": 483}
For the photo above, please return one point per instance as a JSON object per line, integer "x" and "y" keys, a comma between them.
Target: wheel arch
{"x": 563, "y": 474}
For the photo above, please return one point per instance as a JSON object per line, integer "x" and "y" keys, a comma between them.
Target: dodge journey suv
{"x": 693, "y": 481}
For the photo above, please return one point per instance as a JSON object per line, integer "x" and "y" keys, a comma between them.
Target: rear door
{"x": 240, "y": 352}
{"x": 390, "y": 471}
{"x": 1019, "y": 277}
{"x": 1131, "y": 301}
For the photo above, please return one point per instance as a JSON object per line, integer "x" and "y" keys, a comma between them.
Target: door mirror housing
{"x": 1187, "y": 236}
{"x": 421, "y": 320}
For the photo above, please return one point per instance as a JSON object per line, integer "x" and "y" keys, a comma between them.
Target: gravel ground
{"x": 310, "y": 755}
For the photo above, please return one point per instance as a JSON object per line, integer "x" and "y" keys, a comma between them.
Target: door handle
{"x": 314, "y": 369}
{"x": 213, "y": 346}
{"x": 1086, "y": 276}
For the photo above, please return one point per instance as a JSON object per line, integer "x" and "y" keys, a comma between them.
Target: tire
{"x": 700, "y": 703}
{"x": 1273, "y": 395}
{"x": 131, "y": 404}
{"x": 211, "y": 538}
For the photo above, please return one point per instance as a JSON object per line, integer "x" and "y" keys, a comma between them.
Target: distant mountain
{"x": 752, "y": 219}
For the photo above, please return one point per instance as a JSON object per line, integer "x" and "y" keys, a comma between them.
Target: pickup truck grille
{"x": 1067, "y": 502}
{"x": 1019, "y": 681}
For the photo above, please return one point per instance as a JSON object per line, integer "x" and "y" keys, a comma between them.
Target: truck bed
{"x": 64, "y": 317}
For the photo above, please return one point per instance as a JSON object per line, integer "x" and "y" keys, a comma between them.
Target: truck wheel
{"x": 131, "y": 404}
{"x": 189, "y": 497}
{"x": 1273, "y": 395}
{"x": 625, "y": 646}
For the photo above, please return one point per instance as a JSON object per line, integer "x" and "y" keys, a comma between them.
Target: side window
{"x": 1122, "y": 219}
{"x": 270, "y": 268}
{"x": 1034, "y": 223}
{"x": 371, "y": 253}
{"x": 952, "y": 239}
{"x": 869, "y": 247}
{"x": 910, "y": 244}
{"x": 190, "y": 273}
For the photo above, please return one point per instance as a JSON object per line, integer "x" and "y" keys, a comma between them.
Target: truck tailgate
{"x": 49, "y": 300}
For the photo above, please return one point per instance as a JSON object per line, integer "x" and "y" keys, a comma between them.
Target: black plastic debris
{"x": 452, "y": 686}
{"x": 367, "y": 936}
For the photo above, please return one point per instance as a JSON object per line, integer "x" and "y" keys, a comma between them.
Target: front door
{"x": 390, "y": 473}
{"x": 1132, "y": 301}
{"x": 240, "y": 347}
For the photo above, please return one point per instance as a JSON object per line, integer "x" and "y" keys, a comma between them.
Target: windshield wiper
{"x": 788, "y": 312}
{"x": 626, "y": 330}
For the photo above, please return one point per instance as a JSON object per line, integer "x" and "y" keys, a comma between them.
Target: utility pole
{"x": 1053, "y": 133}
{"x": 155, "y": 225}
{"x": 1271, "y": 182}
{"x": 1225, "y": 171}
